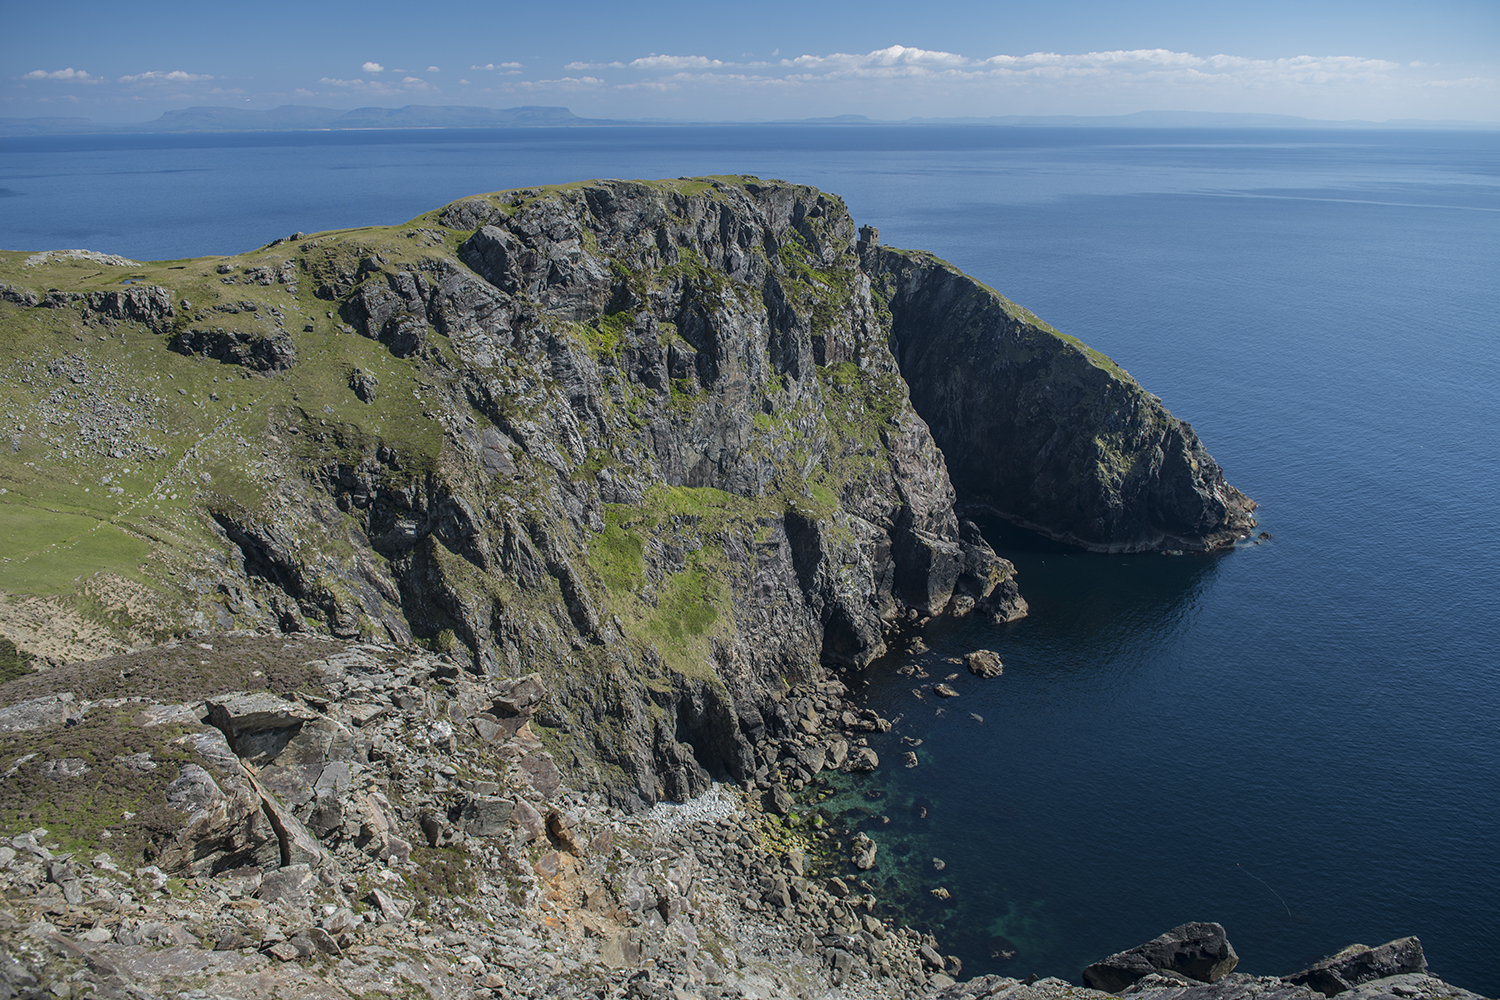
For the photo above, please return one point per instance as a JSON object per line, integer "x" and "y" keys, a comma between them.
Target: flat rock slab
{"x": 1409, "y": 986}
{"x": 245, "y": 713}
{"x": 1006, "y": 988}
{"x": 139, "y": 962}
{"x": 541, "y": 773}
{"x": 49, "y": 710}
{"x": 1234, "y": 986}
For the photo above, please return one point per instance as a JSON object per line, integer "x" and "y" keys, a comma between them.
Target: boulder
{"x": 864, "y": 851}
{"x": 541, "y": 773}
{"x": 1360, "y": 963}
{"x": 225, "y": 826}
{"x": 529, "y": 820}
{"x": 1195, "y": 951}
{"x": 258, "y": 726}
{"x": 1234, "y": 986}
{"x": 486, "y": 816}
{"x": 521, "y": 696}
{"x": 984, "y": 663}
{"x": 813, "y": 757}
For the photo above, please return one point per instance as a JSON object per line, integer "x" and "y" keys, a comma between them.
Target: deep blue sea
{"x": 1299, "y": 739}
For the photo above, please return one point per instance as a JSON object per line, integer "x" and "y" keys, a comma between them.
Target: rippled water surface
{"x": 1297, "y": 739}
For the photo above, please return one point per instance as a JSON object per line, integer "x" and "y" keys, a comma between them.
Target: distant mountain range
{"x": 291, "y": 117}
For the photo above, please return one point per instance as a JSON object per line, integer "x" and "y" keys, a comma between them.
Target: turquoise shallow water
{"x": 1297, "y": 739}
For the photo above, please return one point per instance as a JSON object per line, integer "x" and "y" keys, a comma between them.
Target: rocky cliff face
{"x": 649, "y": 440}
{"x": 1043, "y": 429}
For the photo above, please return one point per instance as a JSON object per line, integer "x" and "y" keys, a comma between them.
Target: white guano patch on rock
{"x": 713, "y": 805}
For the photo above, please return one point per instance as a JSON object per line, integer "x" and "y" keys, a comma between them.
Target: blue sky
{"x": 1373, "y": 59}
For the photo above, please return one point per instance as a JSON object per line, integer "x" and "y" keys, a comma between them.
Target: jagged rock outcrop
{"x": 1041, "y": 428}
{"x": 1188, "y": 952}
{"x": 1360, "y": 963}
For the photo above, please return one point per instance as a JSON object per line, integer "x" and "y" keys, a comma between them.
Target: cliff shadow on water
{"x": 988, "y": 803}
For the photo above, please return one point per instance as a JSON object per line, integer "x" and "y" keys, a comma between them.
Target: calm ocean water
{"x": 1297, "y": 739}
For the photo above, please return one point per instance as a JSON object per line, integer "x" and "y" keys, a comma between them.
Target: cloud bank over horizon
{"x": 893, "y": 83}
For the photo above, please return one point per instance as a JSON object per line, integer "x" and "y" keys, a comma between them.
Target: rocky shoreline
{"x": 362, "y": 819}
{"x": 417, "y": 829}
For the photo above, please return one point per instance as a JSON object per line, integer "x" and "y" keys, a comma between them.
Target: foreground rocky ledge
{"x": 288, "y": 816}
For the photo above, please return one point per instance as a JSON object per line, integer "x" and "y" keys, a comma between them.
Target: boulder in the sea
{"x": 984, "y": 663}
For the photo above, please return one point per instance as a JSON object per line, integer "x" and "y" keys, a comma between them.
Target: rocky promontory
{"x": 1043, "y": 429}
{"x": 655, "y": 442}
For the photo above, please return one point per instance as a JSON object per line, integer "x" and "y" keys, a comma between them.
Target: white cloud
{"x": 567, "y": 83}
{"x": 899, "y": 81}
{"x": 373, "y": 67}
{"x": 174, "y": 76}
{"x": 433, "y": 69}
{"x": 894, "y": 56}
{"x": 676, "y": 62}
{"x": 75, "y": 75}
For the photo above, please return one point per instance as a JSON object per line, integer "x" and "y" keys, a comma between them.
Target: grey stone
{"x": 984, "y": 663}
{"x": 392, "y": 909}
{"x": 1408, "y": 986}
{"x": 35, "y": 713}
{"x": 66, "y": 767}
{"x": 486, "y": 816}
{"x": 528, "y": 820}
{"x": 288, "y": 885}
{"x": 541, "y": 773}
{"x": 1197, "y": 951}
{"x": 258, "y": 726}
{"x": 1360, "y": 963}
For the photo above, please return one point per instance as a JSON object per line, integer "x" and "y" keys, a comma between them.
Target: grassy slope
{"x": 193, "y": 428}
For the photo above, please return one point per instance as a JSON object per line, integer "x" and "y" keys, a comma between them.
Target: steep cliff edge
{"x": 1043, "y": 429}
{"x": 648, "y": 440}
{"x": 644, "y": 438}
